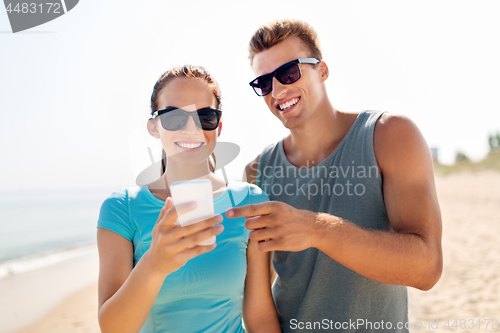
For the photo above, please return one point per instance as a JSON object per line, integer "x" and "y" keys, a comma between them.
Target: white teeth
{"x": 288, "y": 104}
{"x": 190, "y": 145}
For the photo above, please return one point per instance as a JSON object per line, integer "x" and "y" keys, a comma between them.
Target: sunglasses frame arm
{"x": 156, "y": 113}
{"x": 313, "y": 61}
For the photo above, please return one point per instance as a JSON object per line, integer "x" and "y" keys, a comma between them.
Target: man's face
{"x": 296, "y": 102}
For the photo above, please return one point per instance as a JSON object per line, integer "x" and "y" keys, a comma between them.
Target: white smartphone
{"x": 199, "y": 191}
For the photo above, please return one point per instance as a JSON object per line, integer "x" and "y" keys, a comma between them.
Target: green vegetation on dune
{"x": 490, "y": 162}
{"x": 463, "y": 163}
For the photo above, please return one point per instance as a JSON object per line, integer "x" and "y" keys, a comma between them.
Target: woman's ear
{"x": 153, "y": 128}
{"x": 219, "y": 129}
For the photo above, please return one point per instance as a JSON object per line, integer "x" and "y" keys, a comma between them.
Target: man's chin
{"x": 291, "y": 123}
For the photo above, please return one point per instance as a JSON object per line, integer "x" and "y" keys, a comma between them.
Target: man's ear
{"x": 153, "y": 128}
{"x": 323, "y": 69}
{"x": 219, "y": 129}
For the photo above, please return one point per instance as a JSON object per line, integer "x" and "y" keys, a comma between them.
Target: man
{"x": 354, "y": 217}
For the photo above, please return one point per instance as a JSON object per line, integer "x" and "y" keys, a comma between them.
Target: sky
{"x": 74, "y": 92}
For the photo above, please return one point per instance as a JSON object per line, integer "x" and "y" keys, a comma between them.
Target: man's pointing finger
{"x": 250, "y": 210}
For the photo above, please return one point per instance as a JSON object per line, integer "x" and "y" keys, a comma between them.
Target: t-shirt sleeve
{"x": 257, "y": 195}
{"x": 114, "y": 215}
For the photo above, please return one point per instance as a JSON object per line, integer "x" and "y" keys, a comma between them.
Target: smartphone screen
{"x": 199, "y": 191}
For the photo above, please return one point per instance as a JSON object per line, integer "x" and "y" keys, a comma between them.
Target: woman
{"x": 153, "y": 277}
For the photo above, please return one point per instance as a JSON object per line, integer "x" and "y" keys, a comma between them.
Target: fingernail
{"x": 219, "y": 227}
{"x": 229, "y": 213}
{"x": 218, "y": 218}
{"x": 192, "y": 204}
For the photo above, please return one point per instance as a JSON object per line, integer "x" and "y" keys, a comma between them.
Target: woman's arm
{"x": 259, "y": 312}
{"x": 127, "y": 293}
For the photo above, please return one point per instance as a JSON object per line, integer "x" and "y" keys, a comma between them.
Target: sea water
{"x": 41, "y": 227}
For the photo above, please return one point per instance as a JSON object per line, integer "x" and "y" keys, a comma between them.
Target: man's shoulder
{"x": 393, "y": 126}
{"x": 390, "y": 120}
{"x": 396, "y": 136}
{"x": 251, "y": 168}
{"x": 251, "y": 171}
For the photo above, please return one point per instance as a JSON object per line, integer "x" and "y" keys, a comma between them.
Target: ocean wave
{"x": 43, "y": 259}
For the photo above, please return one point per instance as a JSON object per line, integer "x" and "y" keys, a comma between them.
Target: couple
{"x": 353, "y": 217}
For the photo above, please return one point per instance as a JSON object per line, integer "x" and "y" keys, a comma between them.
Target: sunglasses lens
{"x": 209, "y": 120}
{"x": 173, "y": 120}
{"x": 288, "y": 74}
{"x": 263, "y": 85}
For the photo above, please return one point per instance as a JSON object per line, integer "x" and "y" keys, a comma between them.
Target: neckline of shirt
{"x": 333, "y": 153}
{"x": 218, "y": 198}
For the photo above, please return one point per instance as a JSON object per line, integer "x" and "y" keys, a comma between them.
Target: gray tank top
{"x": 314, "y": 293}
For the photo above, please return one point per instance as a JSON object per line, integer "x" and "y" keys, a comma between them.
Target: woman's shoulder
{"x": 124, "y": 193}
{"x": 252, "y": 193}
{"x": 121, "y": 198}
{"x": 115, "y": 212}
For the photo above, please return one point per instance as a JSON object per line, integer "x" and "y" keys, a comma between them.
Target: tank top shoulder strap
{"x": 266, "y": 158}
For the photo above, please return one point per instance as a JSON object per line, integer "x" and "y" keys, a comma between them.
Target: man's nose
{"x": 279, "y": 89}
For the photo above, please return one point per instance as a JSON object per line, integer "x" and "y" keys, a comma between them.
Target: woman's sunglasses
{"x": 174, "y": 119}
{"x": 285, "y": 74}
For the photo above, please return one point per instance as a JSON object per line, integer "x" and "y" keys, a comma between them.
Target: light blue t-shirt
{"x": 204, "y": 295}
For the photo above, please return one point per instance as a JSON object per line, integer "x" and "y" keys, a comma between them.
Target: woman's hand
{"x": 172, "y": 246}
{"x": 127, "y": 293}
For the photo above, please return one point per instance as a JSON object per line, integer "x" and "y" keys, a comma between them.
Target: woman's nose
{"x": 191, "y": 126}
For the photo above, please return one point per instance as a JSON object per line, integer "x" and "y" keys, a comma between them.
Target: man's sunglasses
{"x": 285, "y": 74}
{"x": 174, "y": 119}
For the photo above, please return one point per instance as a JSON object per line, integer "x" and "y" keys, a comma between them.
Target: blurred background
{"x": 74, "y": 98}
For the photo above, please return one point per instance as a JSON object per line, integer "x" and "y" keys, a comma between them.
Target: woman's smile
{"x": 189, "y": 145}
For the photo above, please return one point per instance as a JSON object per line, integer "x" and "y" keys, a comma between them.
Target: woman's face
{"x": 189, "y": 145}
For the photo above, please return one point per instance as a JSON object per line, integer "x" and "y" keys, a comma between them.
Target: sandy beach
{"x": 78, "y": 314}
{"x": 32, "y": 298}
{"x": 469, "y": 289}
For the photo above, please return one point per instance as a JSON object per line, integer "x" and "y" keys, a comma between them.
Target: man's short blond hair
{"x": 275, "y": 32}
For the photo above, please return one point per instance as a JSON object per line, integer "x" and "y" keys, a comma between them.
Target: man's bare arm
{"x": 411, "y": 255}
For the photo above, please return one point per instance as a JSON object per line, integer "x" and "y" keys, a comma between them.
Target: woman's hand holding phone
{"x": 171, "y": 245}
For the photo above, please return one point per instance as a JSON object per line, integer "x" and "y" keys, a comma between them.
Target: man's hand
{"x": 277, "y": 226}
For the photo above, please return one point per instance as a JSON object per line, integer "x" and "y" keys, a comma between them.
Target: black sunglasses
{"x": 174, "y": 119}
{"x": 285, "y": 74}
